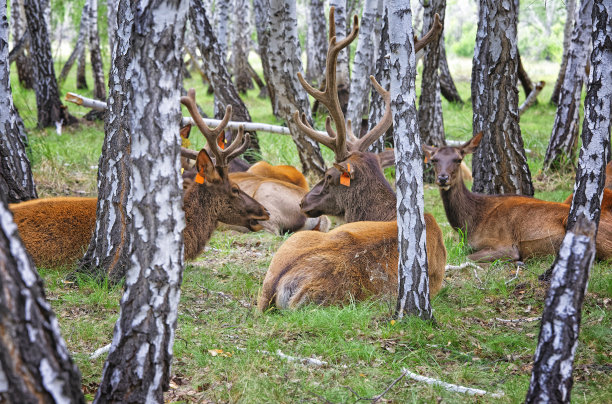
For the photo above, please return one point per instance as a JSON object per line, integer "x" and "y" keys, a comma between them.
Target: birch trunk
{"x": 284, "y": 62}
{"x": 570, "y": 7}
{"x": 383, "y": 76}
{"x": 413, "y": 293}
{"x": 23, "y": 61}
{"x": 40, "y": 372}
{"x": 363, "y": 65}
{"x": 567, "y": 119}
{"x": 499, "y": 164}
{"x": 447, "y": 85}
{"x": 262, "y": 22}
{"x": 240, "y": 46}
{"x": 523, "y": 76}
{"x": 316, "y": 43}
{"x": 48, "y": 104}
{"x": 216, "y": 71}
{"x": 97, "y": 70}
{"x": 138, "y": 364}
{"x": 431, "y": 123}
{"x": 342, "y": 67}
{"x": 108, "y": 255}
{"x": 111, "y": 18}
{"x": 222, "y": 9}
{"x": 80, "y": 42}
{"x": 81, "y": 80}
{"x": 16, "y": 181}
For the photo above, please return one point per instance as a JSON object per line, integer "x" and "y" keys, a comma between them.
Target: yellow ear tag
{"x": 182, "y": 170}
{"x": 221, "y": 141}
{"x": 199, "y": 179}
{"x": 345, "y": 179}
{"x": 185, "y": 142}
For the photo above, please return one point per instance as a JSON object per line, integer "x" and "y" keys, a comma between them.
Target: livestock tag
{"x": 182, "y": 170}
{"x": 345, "y": 178}
{"x": 199, "y": 179}
{"x": 185, "y": 142}
{"x": 426, "y": 159}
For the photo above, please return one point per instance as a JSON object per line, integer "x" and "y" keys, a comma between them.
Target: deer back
{"x": 280, "y": 172}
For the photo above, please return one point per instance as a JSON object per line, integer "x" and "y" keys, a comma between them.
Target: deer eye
{"x": 434, "y": 160}
{"x": 458, "y": 161}
{"x": 235, "y": 191}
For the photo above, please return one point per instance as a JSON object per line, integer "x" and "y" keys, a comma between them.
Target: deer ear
{"x": 347, "y": 173}
{"x": 428, "y": 151}
{"x": 386, "y": 158}
{"x": 185, "y": 130}
{"x": 205, "y": 168}
{"x": 471, "y": 144}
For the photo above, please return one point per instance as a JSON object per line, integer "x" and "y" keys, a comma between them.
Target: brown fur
{"x": 607, "y": 185}
{"x": 280, "y": 172}
{"x": 57, "y": 231}
{"x": 503, "y": 226}
{"x": 356, "y": 260}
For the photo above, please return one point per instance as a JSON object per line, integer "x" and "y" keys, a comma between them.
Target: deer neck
{"x": 200, "y": 219}
{"x": 463, "y": 208}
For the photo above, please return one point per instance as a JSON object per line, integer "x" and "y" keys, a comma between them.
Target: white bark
{"x": 342, "y": 67}
{"x": 316, "y": 42}
{"x": 111, "y": 18}
{"x": 382, "y": 74}
{"x": 413, "y": 294}
{"x": 222, "y": 9}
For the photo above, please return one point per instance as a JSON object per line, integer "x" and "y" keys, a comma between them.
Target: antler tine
{"x": 382, "y": 126}
{"x": 210, "y": 134}
{"x": 436, "y": 28}
{"x": 305, "y": 127}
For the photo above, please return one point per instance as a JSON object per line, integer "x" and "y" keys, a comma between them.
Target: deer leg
{"x": 492, "y": 254}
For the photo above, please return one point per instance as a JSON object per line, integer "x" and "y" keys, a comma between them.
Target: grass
{"x": 221, "y": 338}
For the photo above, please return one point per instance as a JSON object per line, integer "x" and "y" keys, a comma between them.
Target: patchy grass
{"x": 221, "y": 340}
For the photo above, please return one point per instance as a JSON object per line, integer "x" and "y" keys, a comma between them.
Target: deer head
{"x": 447, "y": 161}
{"x": 212, "y": 184}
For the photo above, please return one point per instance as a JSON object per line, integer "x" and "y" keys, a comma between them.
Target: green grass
{"x": 364, "y": 349}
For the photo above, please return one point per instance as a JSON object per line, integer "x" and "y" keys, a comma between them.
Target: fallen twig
{"x": 378, "y": 397}
{"x": 468, "y": 265}
{"x": 518, "y": 320}
{"x": 531, "y": 98}
{"x": 86, "y": 102}
{"x": 449, "y": 386}
{"x": 100, "y": 351}
{"x": 289, "y": 358}
{"x": 518, "y": 269}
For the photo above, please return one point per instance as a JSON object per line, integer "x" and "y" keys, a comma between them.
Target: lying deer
{"x": 56, "y": 231}
{"x": 606, "y": 200}
{"x": 503, "y": 226}
{"x": 358, "y": 259}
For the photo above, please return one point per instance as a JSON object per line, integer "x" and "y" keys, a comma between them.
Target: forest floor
{"x": 226, "y": 351}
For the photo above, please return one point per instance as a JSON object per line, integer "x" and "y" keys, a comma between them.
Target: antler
{"x": 222, "y": 156}
{"x": 329, "y": 96}
{"x": 436, "y": 28}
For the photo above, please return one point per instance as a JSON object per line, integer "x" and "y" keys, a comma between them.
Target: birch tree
{"x": 567, "y": 119}
{"x": 214, "y": 66}
{"x": 138, "y": 364}
{"x": 551, "y": 377}
{"x": 499, "y": 164}
{"x": 262, "y": 22}
{"x": 570, "y": 8}
{"x": 19, "y": 28}
{"x": 413, "y": 296}
{"x": 40, "y": 372}
{"x": 222, "y": 9}
{"x": 447, "y": 84}
{"x": 49, "y": 107}
{"x": 383, "y": 76}
{"x": 82, "y": 36}
{"x": 240, "y": 45}
{"x": 342, "y": 68}
{"x": 363, "y": 65}
{"x": 111, "y": 23}
{"x": 316, "y": 42}
{"x": 108, "y": 255}
{"x": 97, "y": 70}
{"x": 283, "y": 63}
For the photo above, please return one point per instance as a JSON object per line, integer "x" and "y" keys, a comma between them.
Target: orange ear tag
{"x": 426, "y": 159}
{"x": 221, "y": 141}
{"x": 345, "y": 179}
{"x": 199, "y": 179}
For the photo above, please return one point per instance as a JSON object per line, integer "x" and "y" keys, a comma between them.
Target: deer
{"x": 606, "y": 200}
{"x": 503, "y": 227}
{"x": 358, "y": 259}
{"x": 56, "y": 231}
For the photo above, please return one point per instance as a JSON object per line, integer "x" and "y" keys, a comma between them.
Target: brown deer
{"x": 56, "y": 231}
{"x": 606, "y": 201}
{"x": 503, "y": 226}
{"x": 358, "y": 259}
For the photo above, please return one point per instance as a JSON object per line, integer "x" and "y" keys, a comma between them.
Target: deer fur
{"x": 607, "y": 196}
{"x": 503, "y": 226}
{"x": 354, "y": 261}
{"x": 285, "y": 173}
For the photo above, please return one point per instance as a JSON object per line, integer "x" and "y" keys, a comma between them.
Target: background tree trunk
{"x": 214, "y": 67}
{"x": 262, "y": 22}
{"x": 447, "y": 85}
{"x": 111, "y": 21}
{"x": 567, "y": 119}
{"x": 23, "y": 61}
{"x": 99, "y": 84}
{"x": 316, "y": 42}
{"x": 570, "y": 7}
{"x": 16, "y": 181}
{"x": 342, "y": 67}
{"x": 138, "y": 364}
{"x": 523, "y": 76}
{"x": 431, "y": 123}
{"x": 81, "y": 80}
{"x": 383, "y": 76}
{"x": 108, "y": 255}
{"x": 222, "y": 9}
{"x": 80, "y": 42}
{"x": 284, "y": 62}
{"x": 363, "y": 66}
{"x": 40, "y": 372}
{"x": 413, "y": 296}
{"x": 240, "y": 45}
{"x": 48, "y": 104}
{"x": 499, "y": 164}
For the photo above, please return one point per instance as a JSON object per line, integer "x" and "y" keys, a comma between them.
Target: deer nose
{"x": 442, "y": 179}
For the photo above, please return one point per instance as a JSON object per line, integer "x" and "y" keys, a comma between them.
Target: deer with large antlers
{"x": 57, "y": 231}
{"x": 358, "y": 259}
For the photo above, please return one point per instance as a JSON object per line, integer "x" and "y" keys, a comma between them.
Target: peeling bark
{"x": 215, "y": 69}
{"x": 382, "y": 72}
{"x": 413, "y": 294}
{"x": 48, "y": 104}
{"x": 316, "y": 42}
{"x": 283, "y": 63}
{"x": 23, "y": 60}
{"x": 138, "y": 366}
{"x": 35, "y": 365}
{"x": 570, "y": 7}
{"x": 567, "y": 119}
{"x": 16, "y": 180}
{"x": 499, "y": 163}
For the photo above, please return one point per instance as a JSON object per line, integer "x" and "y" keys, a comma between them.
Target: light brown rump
{"x": 56, "y": 231}
{"x": 356, "y": 260}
